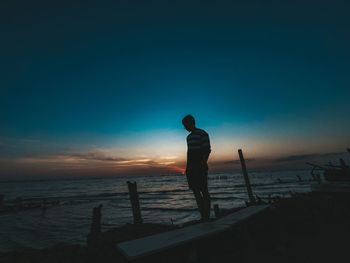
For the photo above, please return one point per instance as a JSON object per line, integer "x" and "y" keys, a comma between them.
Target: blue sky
{"x": 114, "y": 78}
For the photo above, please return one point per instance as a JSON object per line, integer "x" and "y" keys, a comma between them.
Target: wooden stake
{"x": 135, "y": 203}
{"x": 216, "y": 210}
{"x": 93, "y": 238}
{"x": 18, "y": 203}
{"x": 246, "y": 177}
{"x": 96, "y": 220}
{"x": 2, "y": 197}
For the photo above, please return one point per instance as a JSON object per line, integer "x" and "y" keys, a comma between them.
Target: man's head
{"x": 189, "y": 123}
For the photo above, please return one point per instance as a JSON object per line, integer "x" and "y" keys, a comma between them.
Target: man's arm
{"x": 206, "y": 149}
{"x": 186, "y": 163}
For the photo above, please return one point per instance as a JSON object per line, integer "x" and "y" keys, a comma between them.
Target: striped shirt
{"x": 198, "y": 140}
{"x": 198, "y": 150}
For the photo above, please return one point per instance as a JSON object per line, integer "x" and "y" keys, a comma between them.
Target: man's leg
{"x": 199, "y": 200}
{"x": 206, "y": 202}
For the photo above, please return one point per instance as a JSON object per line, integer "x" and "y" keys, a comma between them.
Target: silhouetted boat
{"x": 333, "y": 173}
{"x": 336, "y": 177}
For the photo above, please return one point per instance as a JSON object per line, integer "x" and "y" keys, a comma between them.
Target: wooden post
{"x": 135, "y": 203}
{"x": 246, "y": 177}
{"x": 2, "y": 197}
{"x": 216, "y": 210}
{"x": 18, "y": 203}
{"x": 95, "y": 229}
{"x": 96, "y": 220}
{"x": 43, "y": 207}
{"x": 319, "y": 180}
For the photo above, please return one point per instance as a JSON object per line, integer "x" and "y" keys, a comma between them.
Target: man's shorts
{"x": 197, "y": 180}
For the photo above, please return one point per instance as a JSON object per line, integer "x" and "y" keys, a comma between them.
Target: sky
{"x": 92, "y": 88}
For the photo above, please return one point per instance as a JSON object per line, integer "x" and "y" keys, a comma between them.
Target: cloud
{"x": 91, "y": 163}
{"x": 304, "y": 157}
{"x": 249, "y": 160}
{"x": 94, "y": 160}
{"x": 96, "y": 156}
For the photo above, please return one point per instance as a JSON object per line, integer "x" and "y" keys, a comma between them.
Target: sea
{"x": 163, "y": 199}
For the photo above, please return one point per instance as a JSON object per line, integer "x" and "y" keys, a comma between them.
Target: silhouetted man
{"x": 198, "y": 150}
